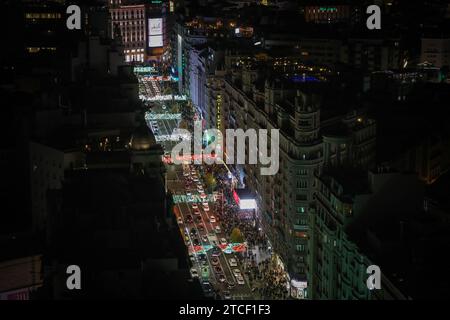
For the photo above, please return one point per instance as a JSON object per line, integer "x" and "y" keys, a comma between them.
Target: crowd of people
{"x": 271, "y": 281}
{"x": 267, "y": 280}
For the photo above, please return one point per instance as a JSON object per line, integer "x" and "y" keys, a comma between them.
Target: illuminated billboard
{"x": 155, "y": 33}
{"x": 244, "y": 199}
{"x": 155, "y": 41}
{"x": 247, "y": 204}
{"x": 155, "y": 27}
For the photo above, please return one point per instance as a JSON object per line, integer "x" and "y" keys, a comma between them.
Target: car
{"x": 192, "y": 257}
{"x": 197, "y": 212}
{"x": 237, "y": 273}
{"x": 216, "y": 251}
{"x": 231, "y": 285}
{"x": 215, "y": 261}
{"x": 201, "y": 257}
{"x": 188, "y": 194}
{"x": 223, "y": 241}
{"x": 194, "y": 178}
{"x": 198, "y": 218}
{"x": 221, "y": 278}
{"x": 217, "y": 229}
{"x": 194, "y": 273}
{"x": 206, "y": 207}
{"x": 205, "y": 239}
{"x": 194, "y": 206}
{"x": 195, "y": 242}
{"x": 218, "y": 269}
{"x": 240, "y": 280}
{"x": 189, "y": 218}
{"x": 200, "y": 227}
{"x": 193, "y": 231}
{"x": 179, "y": 220}
{"x": 186, "y": 174}
{"x": 212, "y": 219}
{"x": 203, "y": 196}
{"x": 232, "y": 262}
{"x": 227, "y": 295}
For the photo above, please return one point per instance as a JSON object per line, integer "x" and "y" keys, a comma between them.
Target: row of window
{"x": 133, "y": 24}
{"x": 43, "y": 16}
{"x": 123, "y": 15}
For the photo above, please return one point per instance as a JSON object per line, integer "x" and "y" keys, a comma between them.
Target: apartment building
{"x": 354, "y": 225}
{"x": 128, "y": 22}
{"x": 284, "y": 200}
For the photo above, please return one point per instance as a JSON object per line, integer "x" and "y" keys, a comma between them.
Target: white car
{"x": 212, "y": 219}
{"x": 217, "y": 229}
{"x": 222, "y": 240}
{"x": 237, "y": 273}
{"x": 197, "y": 212}
{"x": 203, "y": 196}
{"x": 240, "y": 280}
{"x": 227, "y": 295}
{"x": 189, "y": 195}
{"x": 194, "y": 273}
{"x": 194, "y": 206}
{"x": 232, "y": 262}
{"x": 179, "y": 220}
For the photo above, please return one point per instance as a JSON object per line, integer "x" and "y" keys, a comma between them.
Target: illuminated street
{"x": 201, "y": 151}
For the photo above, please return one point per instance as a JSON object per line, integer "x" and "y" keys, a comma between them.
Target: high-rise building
{"x": 342, "y": 245}
{"x": 309, "y": 140}
{"x": 128, "y": 20}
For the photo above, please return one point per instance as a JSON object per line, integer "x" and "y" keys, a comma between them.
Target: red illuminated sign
{"x": 236, "y": 197}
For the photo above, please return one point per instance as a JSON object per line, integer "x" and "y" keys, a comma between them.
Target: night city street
{"x": 225, "y": 158}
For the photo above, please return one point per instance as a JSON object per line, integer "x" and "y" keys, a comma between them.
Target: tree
{"x": 183, "y": 124}
{"x": 236, "y": 236}
{"x": 175, "y": 108}
{"x": 210, "y": 181}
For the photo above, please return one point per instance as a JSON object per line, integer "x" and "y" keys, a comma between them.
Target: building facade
{"x": 129, "y": 22}
{"x": 285, "y": 199}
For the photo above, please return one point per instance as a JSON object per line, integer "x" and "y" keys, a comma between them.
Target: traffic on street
{"x": 206, "y": 215}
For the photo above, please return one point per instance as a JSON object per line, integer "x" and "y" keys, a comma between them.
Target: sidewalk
{"x": 260, "y": 254}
